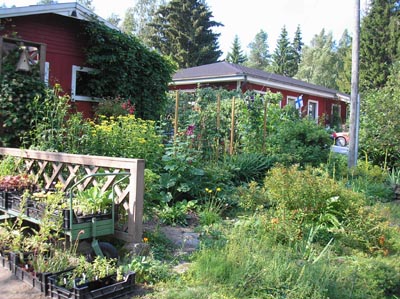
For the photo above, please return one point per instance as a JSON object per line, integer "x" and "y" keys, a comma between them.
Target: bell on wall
{"x": 23, "y": 63}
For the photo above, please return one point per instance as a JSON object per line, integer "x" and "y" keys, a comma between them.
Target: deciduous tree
{"x": 259, "y": 56}
{"x": 319, "y": 63}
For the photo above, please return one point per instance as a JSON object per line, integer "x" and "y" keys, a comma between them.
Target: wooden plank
{"x": 101, "y": 161}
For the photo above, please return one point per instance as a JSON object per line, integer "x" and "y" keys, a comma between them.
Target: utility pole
{"x": 354, "y": 98}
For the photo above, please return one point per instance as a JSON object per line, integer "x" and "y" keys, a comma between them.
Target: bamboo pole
{"x": 176, "y": 115}
{"x": 232, "y": 127}
{"x": 218, "y": 122}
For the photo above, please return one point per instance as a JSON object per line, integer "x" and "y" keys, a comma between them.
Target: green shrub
{"x": 299, "y": 141}
{"x": 128, "y": 137}
{"x": 248, "y": 167}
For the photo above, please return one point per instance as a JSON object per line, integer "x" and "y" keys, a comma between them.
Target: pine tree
{"x": 236, "y": 54}
{"x": 379, "y": 43}
{"x": 297, "y": 47}
{"x": 284, "y": 60}
{"x": 182, "y": 29}
{"x": 259, "y": 52}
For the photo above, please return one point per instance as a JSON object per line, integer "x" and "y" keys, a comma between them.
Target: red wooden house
{"x": 51, "y": 33}
{"x": 318, "y": 101}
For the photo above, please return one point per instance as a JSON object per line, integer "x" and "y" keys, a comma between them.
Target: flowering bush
{"x": 126, "y": 136}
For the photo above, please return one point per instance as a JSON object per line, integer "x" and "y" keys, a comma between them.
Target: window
{"x": 313, "y": 110}
{"x": 81, "y": 89}
{"x": 291, "y": 101}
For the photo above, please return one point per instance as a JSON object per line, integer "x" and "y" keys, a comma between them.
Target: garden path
{"x": 12, "y": 288}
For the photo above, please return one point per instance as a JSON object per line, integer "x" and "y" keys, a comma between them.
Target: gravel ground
{"x": 12, "y": 288}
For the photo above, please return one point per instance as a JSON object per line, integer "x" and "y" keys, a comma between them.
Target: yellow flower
{"x": 218, "y": 189}
{"x": 145, "y": 240}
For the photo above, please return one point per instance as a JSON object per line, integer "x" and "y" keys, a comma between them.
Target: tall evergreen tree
{"x": 259, "y": 52}
{"x": 344, "y": 62}
{"x": 379, "y": 42}
{"x": 284, "y": 60}
{"x": 182, "y": 29}
{"x": 297, "y": 47}
{"x": 319, "y": 63}
{"x": 236, "y": 54}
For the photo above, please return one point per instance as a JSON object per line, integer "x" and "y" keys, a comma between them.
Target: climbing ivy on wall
{"x": 17, "y": 90}
{"x": 127, "y": 69}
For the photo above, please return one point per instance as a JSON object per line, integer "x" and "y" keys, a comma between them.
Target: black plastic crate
{"x": 3, "y": 199}
{"x": 5, "y": 260}
{"x": 106, "y": 288}
{"x": 14, "y": 202}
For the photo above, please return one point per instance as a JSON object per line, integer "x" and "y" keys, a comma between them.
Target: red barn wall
{"x": 65, "y": 46}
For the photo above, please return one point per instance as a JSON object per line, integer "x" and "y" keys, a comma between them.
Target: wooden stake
{"x": 232, "y": 127}
{"x": 176, "y": 115}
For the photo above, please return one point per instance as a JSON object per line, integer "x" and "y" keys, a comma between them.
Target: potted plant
{"x": 92, "y": 202}
{"x": 11, "y": 189}
{"x": 99, "y": 279}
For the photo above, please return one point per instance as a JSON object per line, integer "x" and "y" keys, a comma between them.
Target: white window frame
{"x": 290, "y": 100}
{"x": 316, "y": 110}
{"x": 74, "y": 96}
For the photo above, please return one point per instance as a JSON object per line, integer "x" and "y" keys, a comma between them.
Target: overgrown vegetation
{"x": 278, "y": 214}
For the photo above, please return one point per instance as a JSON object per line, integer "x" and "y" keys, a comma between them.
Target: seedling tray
{"x": 106, "y": 288}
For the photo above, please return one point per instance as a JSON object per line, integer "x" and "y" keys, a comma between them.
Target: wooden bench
{"x": 49, "y": 168}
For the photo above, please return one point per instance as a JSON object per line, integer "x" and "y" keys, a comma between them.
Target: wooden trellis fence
{"x": 50, "y": 168}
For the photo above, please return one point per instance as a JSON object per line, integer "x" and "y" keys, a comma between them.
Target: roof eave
{"x": 72, "y": 10}
{"x": 267, "y": 83}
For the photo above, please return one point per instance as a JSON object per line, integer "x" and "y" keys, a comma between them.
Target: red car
{"x": 341, "y": 138}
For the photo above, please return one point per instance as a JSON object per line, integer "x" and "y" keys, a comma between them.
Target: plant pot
{"x": 106, "y": 288}
{"x": 88, "y": 218}
{"x": 14, "y": 201}
{"x": 3, "y": 200}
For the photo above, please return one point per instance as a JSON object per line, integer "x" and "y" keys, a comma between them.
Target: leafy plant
{"x": 176, "y": 214}
{"x": 17, "y": 183}
{"x": 212, "y": 207}
{"x": 93, "y": 201}
{"x": 248, "y": 167}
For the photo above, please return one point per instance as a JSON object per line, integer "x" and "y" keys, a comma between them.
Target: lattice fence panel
{"x": 48, "y": 169}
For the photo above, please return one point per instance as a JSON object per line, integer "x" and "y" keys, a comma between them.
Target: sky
{"x": 245, "y": 18}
